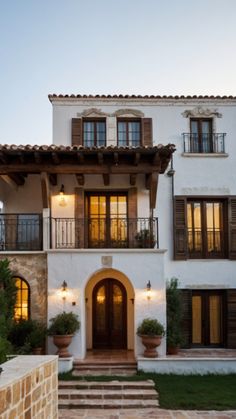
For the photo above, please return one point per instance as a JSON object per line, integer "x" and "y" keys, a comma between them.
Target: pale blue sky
{"x": 111, "y": 47}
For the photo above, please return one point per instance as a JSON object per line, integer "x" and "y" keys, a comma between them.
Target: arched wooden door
{"x": 109, "y": 315}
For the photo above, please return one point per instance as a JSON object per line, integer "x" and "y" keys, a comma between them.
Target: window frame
{"x": 199, "y": 135}
{"x": 94, "y": 121}
{"x": 23, "y": 281}
{"x": 127, "y": 121}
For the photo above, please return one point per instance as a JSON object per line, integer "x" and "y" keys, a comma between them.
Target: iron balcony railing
{"x": 204, "y": 143}
{"x": 20, "y": 232}
{"x": 73, "y": 233}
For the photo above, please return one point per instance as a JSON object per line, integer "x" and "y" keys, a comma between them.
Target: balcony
{"x": 24, "y": 232}
{"x": 20, "y": 232}
{"x": 204, "y": 143}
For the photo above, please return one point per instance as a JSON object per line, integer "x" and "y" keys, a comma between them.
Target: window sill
{"x": 204, "y": 154}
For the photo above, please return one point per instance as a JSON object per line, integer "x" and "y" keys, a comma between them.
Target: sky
{"x": 160, "y": 47}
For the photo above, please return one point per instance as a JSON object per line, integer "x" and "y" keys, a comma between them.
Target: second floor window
{"x": 201, "y": 140}
{"x": 129, "y": 133}
{"x": 94, "y": 133}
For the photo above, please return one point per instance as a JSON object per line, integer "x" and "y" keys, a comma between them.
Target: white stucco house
{"x": 133, "y": 189}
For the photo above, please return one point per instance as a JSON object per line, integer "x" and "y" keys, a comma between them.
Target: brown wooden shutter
{"x": 147, "y": 132}
{"x": 232, "y": 228}
{"x": 186, "y": 324}
{"x": 180, "y": 228}
{"x": 79, "y": 218}
{"x": 76, "y": 131}
{"x": 231, "y": 318}
{"x": 132, "y": 214}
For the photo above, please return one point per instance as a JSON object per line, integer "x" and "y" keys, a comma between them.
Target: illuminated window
{"x": 22, "y": 300}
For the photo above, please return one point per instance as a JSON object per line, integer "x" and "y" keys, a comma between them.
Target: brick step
{"x": 107, "y": 404}
{"x": 133, "y": 394}
{"x": 107, "y": 385}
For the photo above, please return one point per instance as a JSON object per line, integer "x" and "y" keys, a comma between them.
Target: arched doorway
{"x": 109, "y": 315}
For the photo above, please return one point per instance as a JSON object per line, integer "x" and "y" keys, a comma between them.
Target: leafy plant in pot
{"x": 62, "y": 329}
{"x": 151, "y": 332}
{"x": 174, "y": 316}
{"x": 37, "y": 337}
{"x": 145, "y": 238}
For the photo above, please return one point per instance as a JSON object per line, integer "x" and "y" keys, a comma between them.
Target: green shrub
{"x": 151, "y": 327}
{"x": 5, "y": 349}
{"x": 64, "y": 324}
{"x": 20, "y": 331}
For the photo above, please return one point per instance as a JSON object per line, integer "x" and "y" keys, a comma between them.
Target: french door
{"x": 107, "y": 219}
{"x": 207, "y": 318}
{"x": 109, "y": 315}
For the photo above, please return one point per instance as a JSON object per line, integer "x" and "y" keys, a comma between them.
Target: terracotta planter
{"x": 173, "y": 350}
{"x": 150, "y": 343}
{"x": 38, "y": 351}
{"x": 62, "y": 342}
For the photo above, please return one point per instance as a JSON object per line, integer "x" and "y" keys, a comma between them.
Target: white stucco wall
{"x": 78, "y": 267}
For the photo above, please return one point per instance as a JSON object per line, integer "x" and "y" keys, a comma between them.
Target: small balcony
{"x": 20, "y": 232}
{"x": 204, "y": 143}
{"x": 76, "y": 233}
{"x": 24, "y": 232}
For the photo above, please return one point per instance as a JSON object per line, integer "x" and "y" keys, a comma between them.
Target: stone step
{"x": 106, "y": 363}
{"x": 103, "y": 394}
{"x": 107, "y": 385}
{"x": 106, "y": 372}
{"x": 107, "y": 404}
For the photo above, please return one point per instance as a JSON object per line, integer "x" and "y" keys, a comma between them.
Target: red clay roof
{"x": 176, "y": 97}
{"x": 53, "y": 147}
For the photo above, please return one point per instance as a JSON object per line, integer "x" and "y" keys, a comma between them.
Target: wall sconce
{"x": 62, "y": 200}
{"x": 148, "y": 288}
{"x": 64, "y": 290}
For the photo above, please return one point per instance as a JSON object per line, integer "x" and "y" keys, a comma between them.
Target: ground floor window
{"x": 22, "y": 306}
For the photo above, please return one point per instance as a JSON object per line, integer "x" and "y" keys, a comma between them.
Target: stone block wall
{"x": 32, "y": 267}
{"x": 29, "y": 388}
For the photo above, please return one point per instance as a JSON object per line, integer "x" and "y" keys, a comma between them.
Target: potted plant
{"x": 174, "y": 317}
{"x": 151, "y": 332}
{"x": 145, "y": 238}
{"x": 62, "y": 328}
{"x": 37, "y": 337}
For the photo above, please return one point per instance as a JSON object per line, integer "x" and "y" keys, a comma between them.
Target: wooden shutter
{"x": 147, "y": 132}
{"x": 186, "y": 324}
{"x": 79, "y": 219}
{"x": 132, "y": 214}
{"x": 77, "y": 132}
{"x": 231, "y": 318}
{"x": 180, "y": 228}
{"x": 232, "y": 228}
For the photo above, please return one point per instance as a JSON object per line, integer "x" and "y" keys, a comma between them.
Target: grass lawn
{"x": 207, "y": 392}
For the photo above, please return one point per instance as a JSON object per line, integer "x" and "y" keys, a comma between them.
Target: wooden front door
{"x": 109, "y": 315}
{"x": 207, "y": 318}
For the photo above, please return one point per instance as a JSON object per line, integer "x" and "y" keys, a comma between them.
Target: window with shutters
{"x": 204, "y": 227}
{"x": 129, "y": 132}
{"x": 94, "y": 133}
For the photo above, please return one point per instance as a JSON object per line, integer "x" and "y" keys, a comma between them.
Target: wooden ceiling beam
{"x": 18, "y": 178}
{"x": 137, "y": 158}
{"x": 100, "y": 158}
{"x": 156, "y": 159}
{"x": 80, "y": 179}
{"x": 7, "y": 179}
{"x": 151, "y": 184}
{"x": 37, "y": 157}
{"x": 106, "y": 179}
{"x": 132, "y": 179}
{"x": 53, "y": 179}
{"x": 116, "y": 158}
{"x": 80, "y": 158}
{"x": 3, "y": 158}
{"x": 55, "y": 158}
{"x": 45, "y": 190}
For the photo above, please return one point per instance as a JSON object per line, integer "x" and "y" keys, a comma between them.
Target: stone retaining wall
{"x": 29, "y": 388}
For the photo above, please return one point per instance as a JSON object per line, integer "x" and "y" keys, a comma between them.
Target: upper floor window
{"x": 128, "y": 133}
{"x": 94, "y": 133}
{"x": 204, "y": 227}
{"x": 201, "y": 138}
{"x": 22, "y": 305}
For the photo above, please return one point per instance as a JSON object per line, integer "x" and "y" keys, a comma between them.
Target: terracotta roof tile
{"x": 168, "y": 97}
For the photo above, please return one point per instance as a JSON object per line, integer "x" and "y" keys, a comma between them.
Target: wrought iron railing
{"x": 20, "y": 232}
{"x": 204, "y": 143}
{"x": 72, "y": 233}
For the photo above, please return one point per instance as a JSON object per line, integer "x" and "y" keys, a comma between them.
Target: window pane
{"x": 213, "y": 216}
{"x": 88, "y": 134}
{"x": 194, "y": 227}
{"x": 21, "y": 310}
{"x": 134, "y": 133}
{"x": 122, "y": 134}
{"x": 101, "y": 133}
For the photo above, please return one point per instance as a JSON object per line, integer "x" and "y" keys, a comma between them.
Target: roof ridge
{"x": 126, "y": 96}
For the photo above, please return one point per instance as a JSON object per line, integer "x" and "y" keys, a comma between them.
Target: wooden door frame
{"x": 106, "y": 282}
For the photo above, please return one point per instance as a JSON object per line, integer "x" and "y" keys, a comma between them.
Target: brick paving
{"x": 144, "y": 413}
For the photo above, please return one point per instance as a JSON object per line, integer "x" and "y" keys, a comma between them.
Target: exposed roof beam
{"x": 9, "y": 181}
{"x": 136, "y": 158}
{"x": 45, "y": 190}
{"x": 132, "y": 179}
{"x": 100, "y": 158}
{"x": 3, "y": 158}
{"x": 80, "y": 158}
{"x": 156, "y": 160}
{"x": 106, "y": 179}
{"x": 38, "y": 157}
{"x": 80, "y": 179}
{"x": 151, "y": 184}
{"x": 116, "y": 158}
{"x": 55, "y": 158}
{"x": 53, "y": 179}
{"x": 18, "y": 178}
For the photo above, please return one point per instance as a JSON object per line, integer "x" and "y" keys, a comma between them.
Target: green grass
{"x": 207, "y": 392}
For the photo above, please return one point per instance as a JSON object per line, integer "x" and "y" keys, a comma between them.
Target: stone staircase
{"x": 84, "y": 368}
{"x": 107, "y": 395}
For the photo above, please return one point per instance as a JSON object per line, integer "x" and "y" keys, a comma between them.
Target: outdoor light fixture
{"x": 62, "y": 201}
{"x": 64, "y": 290}
{"x": 148, "y": 288}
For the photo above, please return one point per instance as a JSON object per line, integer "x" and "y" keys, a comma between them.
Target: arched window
{"x": 22, "y": 306}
